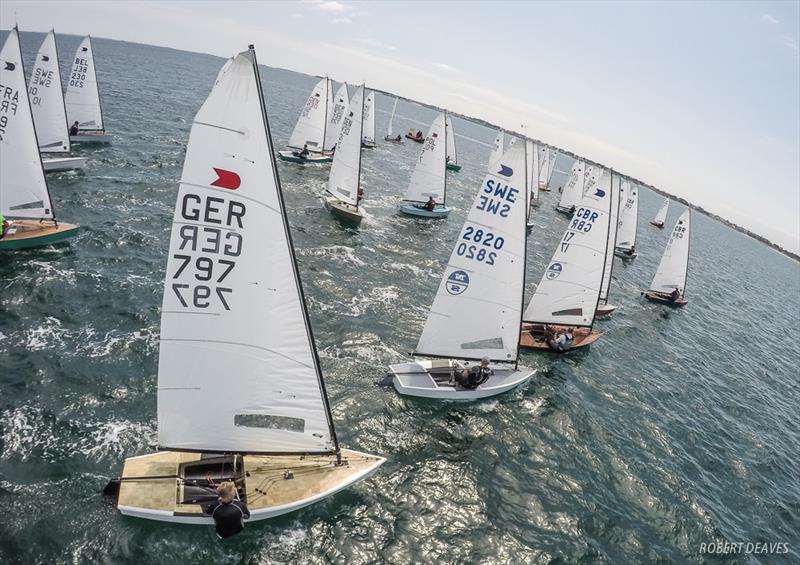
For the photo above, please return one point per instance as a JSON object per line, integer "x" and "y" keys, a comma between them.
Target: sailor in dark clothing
{"x": 229, "y": 514}
{"x": 304, "y": 153}
{"x": 674, "y": 295}
{"x": 74, "y": 129}
{"x": 430, "y": 204}
{"x": 474, "y": 377}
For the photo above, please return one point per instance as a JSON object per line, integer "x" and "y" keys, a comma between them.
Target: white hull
{"x": 63, "y": 164}
{"x": 604, "y": 310}
{"x": 430, "y": 379}
{"x": 412, "y": 210}
{"x": 90, "y": 138}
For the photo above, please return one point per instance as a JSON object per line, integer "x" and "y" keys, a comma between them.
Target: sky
{"x": 699, "y": 99}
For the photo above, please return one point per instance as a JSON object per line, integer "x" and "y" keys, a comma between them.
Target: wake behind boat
{"x": 24, "y": 195}
{"x": 235, "y": 310}
{"x": 476, "y": 311}
{"x": 82, "y": 100}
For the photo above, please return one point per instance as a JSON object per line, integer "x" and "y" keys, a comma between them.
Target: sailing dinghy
{"x": 368, "y": 133}
{"x": 572, "y": 194}
{"x": 311, "y": 129}
{"x": 344, "y": 182}
{"x": 604, "y": 309}
{"x": 452, "y": 154}
{"x": 669, "y": 284}
{"x": 429, "y": 179}
{"x": 49, "y": 111}
{"x": 567, "y": 296}
{"x": 24, "y": 194}
{"x": 82, "y": 99}
{"x": 390, "y": 135}
{"x": 661, "y": 216}
{"x": 547, "y": 160}
{"x": 240, "y": 392}
{"x": 476, "y": 312}
{"x": 628, "y": 221}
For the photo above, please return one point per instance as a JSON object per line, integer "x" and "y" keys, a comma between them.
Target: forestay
{"x": 83, "y": 98}
{"x": 346, "y": 168}
{"x": 238, "y": 371}
{"x": 340, "y": 105}
{"x": 572, "y": 193}
{"x": 47, "y": 100}
{"x": 23, "y": 189}
{"x": 570, "y": 287}
{"x": 451, "y": 140}
{"x": 312, "y": 123}
{"x": 428, "y": 178}
{"x": 628, "y": 217}
{"x": 661, "y": 215}
{"x": 672, "y": 269}
{"x": 476, "y": 311}
{"x": 368, "y": 134}
{"x": 609, "y": 266}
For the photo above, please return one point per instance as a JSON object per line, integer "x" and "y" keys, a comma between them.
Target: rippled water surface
{"x": 678, "y": 427}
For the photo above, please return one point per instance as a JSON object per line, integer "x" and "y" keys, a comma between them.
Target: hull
{"x": 91, "y": 137}
{"x": 183, "y": 483}
{"x": 32, "y": 233}
{"x": 369, "y": 144}
{"x": 658, "y": 225}
{"x": 412, "y": 138}
{"x": 431, "y": 379}
{"x": 604, "y": 310}
{"x": 567, "y": 211}
{"x": 290, "y": 157}
{"x": 532, "y": 337}
{"x": 624, "y": 254}
{"x": 453, "y": 167}
{"x": 436, "y": 213}
{"x": 394, "y": 140}
{"x": 665, "y": 299}
{"x": 63, "y": 164}
{"x": 343, "y": 210}
{"x": 543, "y": 188}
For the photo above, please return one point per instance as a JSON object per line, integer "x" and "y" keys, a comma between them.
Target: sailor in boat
{"x": 74, "y": 129}
{"x": 559, "y": 341}
{"x": 229, "y": 514}
{"x": 398, "y": 138}
{"x": 630, "y": 252}
{"x": 4, "y": 225}
{"x": 304, "y": 153}
{"x": 429, "y": 205}
{"x": 674, "y": 295}
{"x": 474, "y": 377}
{"x": 419, "y": 134}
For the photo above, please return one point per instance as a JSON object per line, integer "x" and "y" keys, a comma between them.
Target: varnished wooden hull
{"x": 33, "y": 233}
{"x": 270, "y": 485}
{"x": 344, "y": 211}
{"x": 581, "y": 338}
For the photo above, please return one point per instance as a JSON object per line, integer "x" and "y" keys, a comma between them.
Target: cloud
{"x": 790, "y": 42}
{"x": 341, "y": 20}
{"x": 770, "y": 19}
{"x": 327, "y": 6}
{"x": 445, "y": 67}
{"x": 375, "y": 43}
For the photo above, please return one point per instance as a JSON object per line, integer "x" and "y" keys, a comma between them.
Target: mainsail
{"x": 312, "y": 124}
{"x": 47, "y": 100}
{"x": 476, "y": 311}
{"x": 497, "y": 148}
{"x": 345, "y": 174}
{"x": 389, "y": 131}
{"x": 428, "y": 178}
{"x": 609, "y": 266}
{"x": 368, "y": 135}
{"x": 570, "y": 287}
{"x": 661, "y": 216}
{"x": 572, "y": 193}
{"x": 628, "y": 217}
{"x": 451, "y": 140}
{"x": 82, "y": 99}
{"x": 340, "y": 104}
{"x": 23, "y": 189}
{"x": 674, "y": 265}
{"x": 238, "y": 371}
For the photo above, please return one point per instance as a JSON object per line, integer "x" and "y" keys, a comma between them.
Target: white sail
{"x": 341, "y": 103}
{"x": 237, "y": 371}
{"x": 532, "y": 158}
{"x": 47, "y": 99}
{"x": 552, "y": 155}
{"x": 661, "y": 216}
{"x": 609, "y": 266}
{"x": 476, "y": 311}
{"x": 451, "y": 140}
{"x": 312, "y": 123}
{"x": 628, "y": 217}
{"x": 572, "y": 193}
{"x": 389, "y": 130}
{"x": 570, "y": 287}
{"x": 346, "y": 168}
{"x": 497, "y": 148}
{"x": 83, "y": 97}
{"x": 672, "y": 269}
{"x": 23, "y": 190}
{"x": 428, "y": 178}
{"x": 368, "y": 135}
{"x": 544, "y": 160}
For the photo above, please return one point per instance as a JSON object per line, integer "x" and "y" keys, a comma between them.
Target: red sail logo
{"x": 226, "y": 179}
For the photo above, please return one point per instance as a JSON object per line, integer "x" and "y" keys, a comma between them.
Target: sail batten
{"x": 23, "y": 188}
{"x": 82, "y": 98}
{"x": 246, "y": 378}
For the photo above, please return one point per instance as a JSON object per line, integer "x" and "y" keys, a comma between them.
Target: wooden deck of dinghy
{"x": 267, "y": 483}
{"x": 24, "y": 234}
{"x": 532, "y": 337}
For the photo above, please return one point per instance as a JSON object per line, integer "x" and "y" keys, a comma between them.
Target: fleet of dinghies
{"x": 271, "y": 431}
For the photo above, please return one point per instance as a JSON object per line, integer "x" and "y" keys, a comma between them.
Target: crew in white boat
{"x": 474, "y": 377}
{"x": 229, "y": 514}
{"x": 304, "y": 153}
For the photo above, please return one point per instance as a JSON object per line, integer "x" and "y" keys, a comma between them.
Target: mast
{"x": 688, "y": 253}
{"x": 288, "y": 231}
{"x": 524, "y": 251}
{"x": 361, "y": 139}
{"x": 96, "y": 84}
{"x": 444, "y": 193}
{"x": 325, "y": 123}
{"x": 61, "y": 91}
